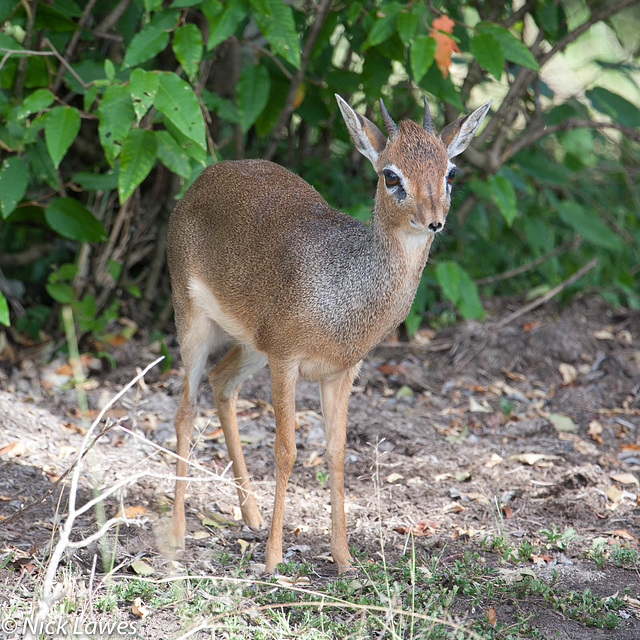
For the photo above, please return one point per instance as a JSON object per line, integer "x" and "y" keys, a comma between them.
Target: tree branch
{"x": 532, "y": 135}
{"x": 534, "y": 304}
{"x": 512, "y": 273}
{"x": 73, "y": 43}
{"x": 598, "y": 13}
{"x": 118, "y": 11}
{"x": 285, "y": 114}
{"x": 500, "y": 121}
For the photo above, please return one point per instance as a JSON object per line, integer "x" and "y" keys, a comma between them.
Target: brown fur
{"x": 259, "y": 259}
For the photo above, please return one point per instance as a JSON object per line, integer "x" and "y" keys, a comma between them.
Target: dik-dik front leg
{"x": 334, "y": 394}
{"x": 283, "y": 392}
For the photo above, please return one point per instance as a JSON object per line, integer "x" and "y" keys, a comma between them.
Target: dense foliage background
{"x": 110, "y": 110}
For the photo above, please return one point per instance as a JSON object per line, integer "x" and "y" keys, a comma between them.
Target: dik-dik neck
{"x": 395, "y": 259}
{"x": 407, "y": 248}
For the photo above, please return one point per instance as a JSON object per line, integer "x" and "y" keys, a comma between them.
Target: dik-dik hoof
{"x": 176, "y": 535}
{"x": 255, "y": 524}
{"x": 344, "y": 566}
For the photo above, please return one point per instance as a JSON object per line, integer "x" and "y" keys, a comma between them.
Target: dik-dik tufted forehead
{"x": 416, "y": 152}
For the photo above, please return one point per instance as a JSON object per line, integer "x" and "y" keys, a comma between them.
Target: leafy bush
{"x": 109, "y": 111}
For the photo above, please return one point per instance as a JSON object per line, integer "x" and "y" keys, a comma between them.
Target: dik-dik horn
{"x": 262, "y": 264}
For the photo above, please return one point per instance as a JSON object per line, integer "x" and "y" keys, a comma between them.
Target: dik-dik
{"x": 259, "y": 261}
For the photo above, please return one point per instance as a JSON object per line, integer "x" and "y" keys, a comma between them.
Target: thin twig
{"x": 112, "y": 18}
{"x": 532, "y": 135}
{"x": 287, "y": 74}
{"x": 73, "y": 43}
{"x": 60, "y": 479}
{"x": 49, "y": 593}
{"x": 511, "y": 273}
{"x": 286, "y": 111}
{"x": 601, "y": 11}
{"x": 63, "y": 61}
{"x": 547, "y": 296}
{"x": 524, "y": 77}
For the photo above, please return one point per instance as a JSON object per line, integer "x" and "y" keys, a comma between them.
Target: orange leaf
{"x": 623, "y": 533}
{"x": 445, "y": 45}
{"x": 65, "y": 370}
{"x": 132, "y": 511}
{"x": 491, "y": 617}
{"x": 14, "y": 449}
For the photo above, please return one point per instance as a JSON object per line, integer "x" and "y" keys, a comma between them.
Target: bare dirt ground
{"x": 478, "y": 432}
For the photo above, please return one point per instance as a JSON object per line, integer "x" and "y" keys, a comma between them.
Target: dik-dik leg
{"x": 334, "y": 394}
{"x": 197, "y": 338}
{"x": 283, "y": 392}
{"x": 225, "y": 378}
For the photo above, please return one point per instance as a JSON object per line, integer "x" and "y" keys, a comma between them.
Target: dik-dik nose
{"x": 434, "y": 226}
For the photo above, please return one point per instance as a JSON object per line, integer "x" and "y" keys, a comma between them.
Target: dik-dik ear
{"x": 367, "y": 138}
{"x": 457, "y": 135}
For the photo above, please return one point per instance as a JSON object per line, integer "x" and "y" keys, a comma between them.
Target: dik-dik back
{"x": 259, "y": 260}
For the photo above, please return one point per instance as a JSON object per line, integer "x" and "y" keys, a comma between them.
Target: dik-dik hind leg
{"x": 196, "y": 343}
{"x": 334, "y": 394}
{"x": 283, "y": 391}
{"x": 225, "y": 378}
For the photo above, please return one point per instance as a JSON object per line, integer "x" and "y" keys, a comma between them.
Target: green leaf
{"x": 60, "y": 130}
{"x": 422, "y": 51}
{"x": 66, "y": 271}
{"x": 61, "y": 292}
{"x": 177, "y": 101}
{"x": 14, "y": 179}
{"x": 42, "y": 169}
{"x": 187, "y": 45}
{"x": 114, "y": 269}
{"x": 4, "y": 311}
{"x": 116, "y": 114}
{"x": 504, "y": 196}
{"x": 458, "y": 286}
{"x": 171, "y": 154}
{"x": 109, "y": 69}
{"x": 144, "y": 45}
{"x": 192, "y": 149}
{"x": 50, "y": 18}
{"x": 587, "y": 223}
{"x": 37, "y": 101}
{"x": 90, "y": 96}
{"x": 384, "y": 26}
{"x": 407, "y": 24}
{"x": 252, "y": 94}
{"x": 137, "y": 157}
{"x": 143, "y": 86}
{"x": 222, "y": 25}
{"x": 615, "y": 106}
{"x": 275, "y": 20}
{"x": 92, "y": 181}
{"x": 512, "y": 48}
{"x": 70, "y": 219}
{"x": 488, "y": 52}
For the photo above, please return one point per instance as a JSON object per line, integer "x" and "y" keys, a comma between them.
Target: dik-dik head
{"x": 414, "y": 165}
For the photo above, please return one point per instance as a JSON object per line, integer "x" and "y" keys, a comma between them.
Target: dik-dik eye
{"x": 451, "y": 175}
{"x": 391, "y": 179}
